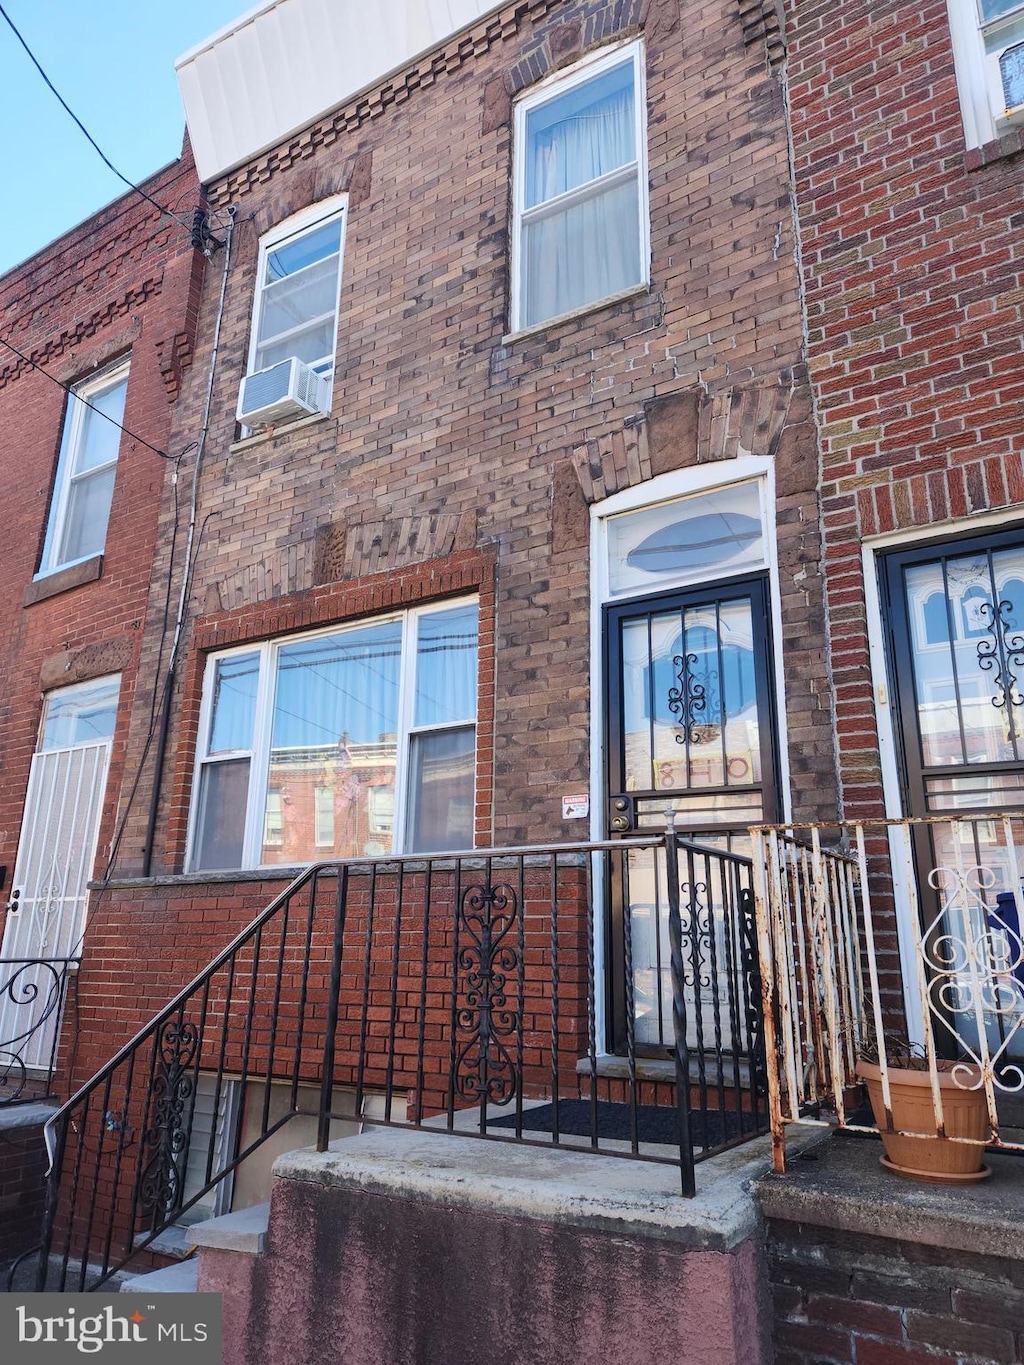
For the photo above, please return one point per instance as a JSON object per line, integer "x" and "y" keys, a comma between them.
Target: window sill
{"x": 283, "y": 874}
{"x": 634, "y": 291}
{"x": 271, "y": 433}
{"x": 62, "y": 580}
{"x": 1007, "y": 144}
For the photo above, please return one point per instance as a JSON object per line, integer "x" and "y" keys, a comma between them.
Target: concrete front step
{"x": 244, "y": 1231}
{"x": 180, "y": 1278}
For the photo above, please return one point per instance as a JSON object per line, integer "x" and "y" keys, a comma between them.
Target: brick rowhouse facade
{"x": 460, "y": 458}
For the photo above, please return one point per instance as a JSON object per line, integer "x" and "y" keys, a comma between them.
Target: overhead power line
{"x": 103, "y": 157}
{"x": 69, "y": 388}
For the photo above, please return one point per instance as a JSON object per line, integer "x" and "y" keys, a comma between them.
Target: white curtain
{"x": 589, "y": 249}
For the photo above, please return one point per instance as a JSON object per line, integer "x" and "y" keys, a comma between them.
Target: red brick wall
{"x": 842, "y": 1298}
{"x": 912, "y": 273}
{"x": 125, "y": 282}
{"x": 22, "y": 1186}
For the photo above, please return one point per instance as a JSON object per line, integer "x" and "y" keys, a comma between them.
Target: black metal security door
{"x": 956, "y": 635}
{"x": 689, "y": 728}
{"x": 955, "y": 625}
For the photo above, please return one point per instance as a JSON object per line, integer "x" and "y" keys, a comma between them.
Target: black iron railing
{"x": 459, "y": 993}
{"x": 32, "y": 995}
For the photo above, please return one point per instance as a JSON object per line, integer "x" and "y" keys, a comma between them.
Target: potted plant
{"x": 913, "y": 1148}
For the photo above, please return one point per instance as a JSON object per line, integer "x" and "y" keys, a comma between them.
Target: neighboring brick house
{"x": 909, "y": 181}
{"x": 99, "y": 325}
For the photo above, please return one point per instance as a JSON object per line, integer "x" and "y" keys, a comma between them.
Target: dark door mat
{"x": 655, "y": 1123}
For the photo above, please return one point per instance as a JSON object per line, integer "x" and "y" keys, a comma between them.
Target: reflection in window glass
{"x": 234, "y": 702}
{"x": 80, "y": 715}
{"x": 335, "y": 721}
{"x": 441, "y": 791}
{"x": 348, "y": 717}
{"x": 962, "y": 683}
{"x": 685, "y": 540}
{"x": 446, "y": 667}
{"x": 298, "y": 299}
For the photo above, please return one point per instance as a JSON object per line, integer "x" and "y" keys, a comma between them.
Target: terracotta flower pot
{"x": 930, "y": 1158}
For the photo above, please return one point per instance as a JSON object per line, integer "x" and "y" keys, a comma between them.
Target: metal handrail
{"x": 297, "y": 996}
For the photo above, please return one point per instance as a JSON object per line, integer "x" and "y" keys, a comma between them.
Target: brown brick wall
{"x": 126, "y": 281}
{"x": 843, "y": 1298}
{"x": 912, "y": 272}
{"x": 446, "y": 435}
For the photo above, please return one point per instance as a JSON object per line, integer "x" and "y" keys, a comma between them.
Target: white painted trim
{"x": 74, "y": 423}
{"x": 665, "y": 488}
{"x": 977, "y": 72}
{"x": 267, "y": 652}
{"x": 297, "y": 226}
{"x": 549, "y": 88}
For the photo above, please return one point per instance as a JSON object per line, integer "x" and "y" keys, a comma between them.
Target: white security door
{"x": 59, "y": 832}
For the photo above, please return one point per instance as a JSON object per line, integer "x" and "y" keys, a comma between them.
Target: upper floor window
{"x": 988, "y": 45}
{"x": 356, "y": 741}
{"x": 84, "y": 486}
{"x": 295, "y": 319}
{"x": 580, "y": 192}
{"x": 296, "y": 310}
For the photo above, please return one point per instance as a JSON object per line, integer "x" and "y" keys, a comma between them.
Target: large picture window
{"x": 84, "y": 486}
{"x": 580, "y": 231}
{"x": 356, "y": 741}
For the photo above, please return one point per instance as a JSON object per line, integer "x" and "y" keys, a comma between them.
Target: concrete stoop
{"x": 239, "y": 1235}
{"x": 410, "y": 1248}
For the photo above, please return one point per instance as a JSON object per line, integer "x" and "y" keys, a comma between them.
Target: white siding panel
{"x": 282, "y": 66}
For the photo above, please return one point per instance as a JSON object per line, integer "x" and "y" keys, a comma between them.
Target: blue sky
{"x": 113, "y": 62}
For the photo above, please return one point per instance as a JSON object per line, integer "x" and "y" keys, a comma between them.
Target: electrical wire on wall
{"x": 159, "y": 716}
{"x": 160, "y": 708}
{"x": 191, "y": 550}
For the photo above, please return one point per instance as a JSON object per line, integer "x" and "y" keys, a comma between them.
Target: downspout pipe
{"x": 186, "y": 582}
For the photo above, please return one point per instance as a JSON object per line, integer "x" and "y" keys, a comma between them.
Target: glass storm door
{"x": 689, "y": 729}
{"x": 956, "y": 638}
{"x": 56, "y": 852}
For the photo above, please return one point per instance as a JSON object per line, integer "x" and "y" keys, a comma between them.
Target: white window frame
{"x": 66, "y": 476}
{"x": 544, "y": 91}
{"x": 298, "y": 225}
{"x": 259, "y": 754}
{"x": 978, "y": 79}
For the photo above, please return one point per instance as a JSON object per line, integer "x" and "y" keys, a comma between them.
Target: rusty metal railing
{"x": 898, "y": 944}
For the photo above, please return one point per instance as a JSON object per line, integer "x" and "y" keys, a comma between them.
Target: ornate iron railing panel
{"x": 32, "y": 995}
{"x": 950, "y": 1003}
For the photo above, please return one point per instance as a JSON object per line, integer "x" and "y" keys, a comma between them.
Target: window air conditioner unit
{"x": 282, "y": 393}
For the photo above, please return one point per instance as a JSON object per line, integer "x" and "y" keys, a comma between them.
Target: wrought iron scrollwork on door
{"x": 688, "y": 700}
{"x": 1002, "y": 654}
{"x": 485, "y": 1070}
{"x": 167, "y": 1132}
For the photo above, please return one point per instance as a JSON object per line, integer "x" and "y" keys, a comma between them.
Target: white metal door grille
{"x": 55, "y": 858}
